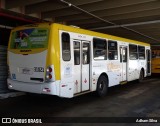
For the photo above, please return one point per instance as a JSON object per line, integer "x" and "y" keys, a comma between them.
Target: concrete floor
{"x": 130, "y": 100}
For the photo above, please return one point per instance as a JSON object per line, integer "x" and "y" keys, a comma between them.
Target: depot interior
{"x": 136, "y": 19}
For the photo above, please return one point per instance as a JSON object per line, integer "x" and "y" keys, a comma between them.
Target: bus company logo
{"x": 25, "y": 50}
{"x": 113, "y": 67}
{"x": 6, "y": 120}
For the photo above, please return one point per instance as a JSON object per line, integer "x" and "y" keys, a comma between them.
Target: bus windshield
{"x": 32, "y": 38}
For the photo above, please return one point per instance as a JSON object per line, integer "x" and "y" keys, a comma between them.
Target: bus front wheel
{"x": 102, "y": 86}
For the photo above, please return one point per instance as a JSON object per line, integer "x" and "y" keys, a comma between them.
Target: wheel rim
{"x": 101, "y": 86}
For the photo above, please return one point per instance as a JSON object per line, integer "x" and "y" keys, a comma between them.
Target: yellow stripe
{"x": 96, "y": 34}
{"x": 53, "y": 56}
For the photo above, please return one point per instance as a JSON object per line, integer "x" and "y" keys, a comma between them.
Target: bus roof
{"x": 97, "y": 34}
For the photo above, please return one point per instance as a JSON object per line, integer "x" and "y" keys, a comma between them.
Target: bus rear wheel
{"x": 102, "y": 86}
{"x": 141, "y": 76}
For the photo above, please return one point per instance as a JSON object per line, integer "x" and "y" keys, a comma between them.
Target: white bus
{"x": 66, "y": 61}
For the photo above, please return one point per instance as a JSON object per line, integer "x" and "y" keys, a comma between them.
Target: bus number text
{"x": 38, "y": 69}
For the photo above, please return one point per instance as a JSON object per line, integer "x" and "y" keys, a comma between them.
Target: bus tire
{"x": 102, "y": 86}
{"x": 141, "y": 76}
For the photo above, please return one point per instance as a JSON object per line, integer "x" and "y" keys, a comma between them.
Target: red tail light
{"x": 50, "y": 75}
{"x": 50, "y": 69}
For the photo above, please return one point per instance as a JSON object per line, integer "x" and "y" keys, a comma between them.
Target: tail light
{"x": 50, "y": 75}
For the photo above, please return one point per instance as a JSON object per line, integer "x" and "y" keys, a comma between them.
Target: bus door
{"x": 123, "y": 62}
{"x": 81, "y": 66}
{"x": 148, "y": 54}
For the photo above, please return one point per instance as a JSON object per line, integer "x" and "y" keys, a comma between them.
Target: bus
{"x": 55, "y": 59}
{"x": 155, "y": 64}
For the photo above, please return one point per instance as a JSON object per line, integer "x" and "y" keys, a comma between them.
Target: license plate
{"x": 25, "y": 71}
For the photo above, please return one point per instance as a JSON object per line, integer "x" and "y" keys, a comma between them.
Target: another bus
{"x": 155, "y": 67}
{"x": 66, "y": 61}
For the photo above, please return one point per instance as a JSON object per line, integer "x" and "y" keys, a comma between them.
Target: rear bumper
{"x": 51, "y": 88}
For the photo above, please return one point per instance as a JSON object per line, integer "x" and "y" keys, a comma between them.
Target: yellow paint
{"x": 53, "y": 57}
{"x": 155, "y": 67}
{"x": 123, "y": 82}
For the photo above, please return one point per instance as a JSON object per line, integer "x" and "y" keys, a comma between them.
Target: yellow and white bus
{"x": 66, "y": 61}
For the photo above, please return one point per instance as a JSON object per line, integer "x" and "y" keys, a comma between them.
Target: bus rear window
{"x": 29, "y": 38}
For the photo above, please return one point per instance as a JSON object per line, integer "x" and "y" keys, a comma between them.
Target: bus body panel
{"x": 28, "y": 68}
{"x": 66, "y": 74}
{"x": 133, "y": 72}
{"x": 51, "y": 88}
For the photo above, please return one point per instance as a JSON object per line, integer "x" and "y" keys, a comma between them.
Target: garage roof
{"x": 134, "y": 19}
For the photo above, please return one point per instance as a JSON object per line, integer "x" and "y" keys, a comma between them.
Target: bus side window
{"x": 66, "y": 54}
{"x": 141, "y": 52}
{"x": 76, "y": 53}
{"x": 99, "y": 49}
{"x": 112, "y": 50}
{"x": 86, "y": 56}
{"x": 133, "y": 54}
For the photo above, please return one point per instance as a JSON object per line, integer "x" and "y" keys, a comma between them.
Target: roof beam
{"x": 116, "y": 11}
{"x": 153, "y": 12}
{"x": 127, "y": 25}
{"x": 119, "y": 22}
{"x": 109, "y": 4}
{"x": 16, "y": 3}
{"x": 107, "y": 21}
{"x": 130, "y": 35}
{"x": 93, "y": 7}
{"x": 134, "y": 15}
{"x": 55, "y": 5}
{"x": 149, "y": 27}
{"x": 151, "y": 32}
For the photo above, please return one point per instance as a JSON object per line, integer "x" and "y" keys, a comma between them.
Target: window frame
{"x": 79, "y": 53}
{"x": 69, "y": 41}
{"x": 111, "y": 50}
{"x": 141, "y": 52}
{"x": 133, "y": 52}
{"x": 104, "y": 49}
{"x": 86, "y": 44}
